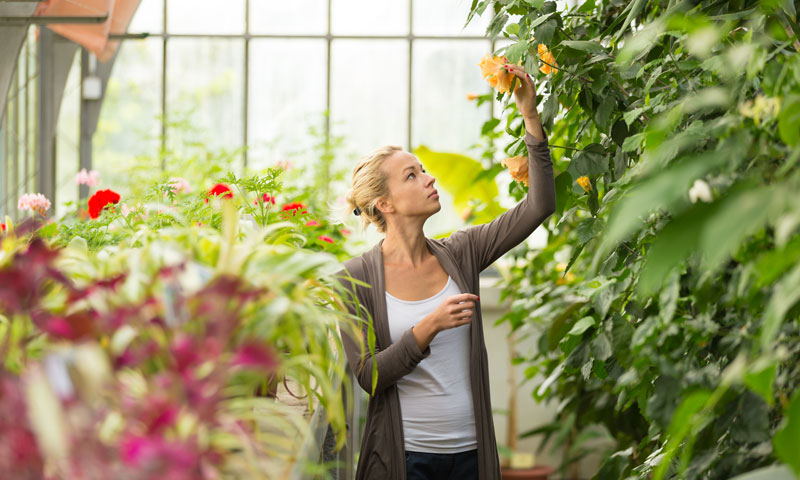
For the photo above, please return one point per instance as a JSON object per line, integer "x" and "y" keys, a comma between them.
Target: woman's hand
{"x": 525, "y": 93}
{"x": 453, "y": 312}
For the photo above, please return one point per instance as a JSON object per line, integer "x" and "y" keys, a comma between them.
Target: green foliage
{"x": 666, "y": 301}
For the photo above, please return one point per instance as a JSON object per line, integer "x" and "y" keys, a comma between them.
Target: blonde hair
{"x": 369, "y": 185}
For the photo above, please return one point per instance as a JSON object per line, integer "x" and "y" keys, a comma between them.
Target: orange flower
{"x": 547, "y": 56}
{"x": 518, "y": 168}
{"x": 494, "y": 73}
{"x": 585, "y": 184}
{"x": 472, "y": 96}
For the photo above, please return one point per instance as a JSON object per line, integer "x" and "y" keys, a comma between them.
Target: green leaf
{"x": 588, "y": 229}
{"x": 540, "y": 21}
{"x": 603, "y": 113}
{"x": 497, "y": 24}
{"x": 787, "y": 438}
{"x": 581, "y": 326}
{"x": 601, "y": 347}
{"x": 785, "y": 294}
{"x": 775, "y": 472}
{"x": 760, "y": 378}
{"x": 584, "y": 46}
{"x": 788, "y": 7}
{"x": 515, "y": 51}
{"x": 739, "y": 215}
{"x": 789, "y": 121}
{"x": 592, "y": 160}
{"x": 635, "y": 9}
{"x": 664, "y": 189}
{"x": 456, "y": 174}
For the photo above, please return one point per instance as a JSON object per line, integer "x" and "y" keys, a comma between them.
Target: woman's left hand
{"x": 525, "y": 91}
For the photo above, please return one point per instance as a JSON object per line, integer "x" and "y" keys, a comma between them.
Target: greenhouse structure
{"x": 399, "y": 239}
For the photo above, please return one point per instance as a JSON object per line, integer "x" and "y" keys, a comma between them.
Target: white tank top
{"x": 436, "y": 397}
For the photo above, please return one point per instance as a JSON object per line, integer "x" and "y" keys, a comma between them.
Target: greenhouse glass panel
{"x": 298, "y": 17}
{"x": 129, "y": 129}
{"x": 447, "y": 17}
{"x": 287, "y": 98}
{"x": 67, "y": 141}
{"x": 369, "y": 17}
{"x": 205, "y": 17}
{"x": 369, "y": 92}
{"x": 205, "y": 92}
{"x": 444, "y": 73}
{"x": 149, "y": 17}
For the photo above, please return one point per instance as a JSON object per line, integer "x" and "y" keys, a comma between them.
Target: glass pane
{"x": 369, "y": 92}
{"x": 283, "y": 107}
{"x": 149, "y": 17}
{"x": 67, "y": 145}
{"x": 369, "y": 17}
{"x": 294, "y": 17}
{"x": 447, "y": 17}
{"x": 444, "y": 72}
{"x": 205, "y": 16}
{"x": 205, "y": 87}
{"x": 129, "y": 129}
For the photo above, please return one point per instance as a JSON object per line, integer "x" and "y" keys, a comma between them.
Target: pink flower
{"x": 35, "y": 202}
{"x": 90, "y": 178}
{"x": 179, "y": 185}
{"x": 345, "y": 231}
{"x": 284, "y": 164}
{"x": 312, "y": 223}
{"x": 325, "y": 238}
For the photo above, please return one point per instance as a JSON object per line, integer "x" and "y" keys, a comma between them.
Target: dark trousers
{"x": 442, "y": 466}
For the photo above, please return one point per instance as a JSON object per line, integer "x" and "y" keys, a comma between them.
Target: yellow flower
{"x": 465, "y": 214}
{"x": 472, "y": 96}
{"x": 585, "y": 184}
{"x": 518, "y": 168}
{"x": 494, "y": 73}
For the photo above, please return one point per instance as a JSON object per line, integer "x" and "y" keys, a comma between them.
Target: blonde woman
{"x": 430, "y": 415}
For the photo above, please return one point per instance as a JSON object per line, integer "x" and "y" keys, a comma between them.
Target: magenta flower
{"x": 256, "y": 356}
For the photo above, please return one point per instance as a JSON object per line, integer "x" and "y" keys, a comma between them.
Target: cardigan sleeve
{"x": 488, "y": 242}
{"x": 393, "y": 363}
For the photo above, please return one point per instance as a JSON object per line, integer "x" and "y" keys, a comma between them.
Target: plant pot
{"x": 540, "y": 472}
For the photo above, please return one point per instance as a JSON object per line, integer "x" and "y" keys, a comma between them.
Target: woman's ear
{"x": 384, "y": 206}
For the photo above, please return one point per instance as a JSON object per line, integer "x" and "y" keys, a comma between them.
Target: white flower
{"x": 700, "y": 191}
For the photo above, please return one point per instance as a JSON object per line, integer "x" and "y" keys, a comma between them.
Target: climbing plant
{"x": 666, "y": 302}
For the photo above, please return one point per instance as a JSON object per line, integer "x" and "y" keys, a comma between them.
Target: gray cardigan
{"x": 463, "y": 255}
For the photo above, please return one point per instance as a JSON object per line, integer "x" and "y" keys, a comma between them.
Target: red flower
{"x": 326, "y": 239}
{"x": 100, "y": 199}
{"x": 295, "y": 207}
{"x": 220, "y": 189}
{"x": 312, "y": 223}
{"x": 345, "y": 231}
{"x": 3, "y": 227}
{"x": 266, "y": 198}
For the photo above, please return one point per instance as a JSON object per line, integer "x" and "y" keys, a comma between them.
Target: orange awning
{"x": 93, "y": 37}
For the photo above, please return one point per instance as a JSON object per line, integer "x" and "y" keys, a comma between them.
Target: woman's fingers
{"x": 519, "y": 72}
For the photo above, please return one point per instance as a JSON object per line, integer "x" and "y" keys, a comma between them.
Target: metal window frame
{"x": 329, "y": 38}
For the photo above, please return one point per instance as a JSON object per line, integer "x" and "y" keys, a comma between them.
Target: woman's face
{"x": 411, "y": 190}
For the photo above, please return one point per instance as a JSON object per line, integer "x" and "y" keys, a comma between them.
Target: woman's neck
{"x": 405, "y": 248}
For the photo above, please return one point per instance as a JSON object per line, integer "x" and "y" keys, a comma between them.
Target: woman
{"x": 429, "y": 414}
